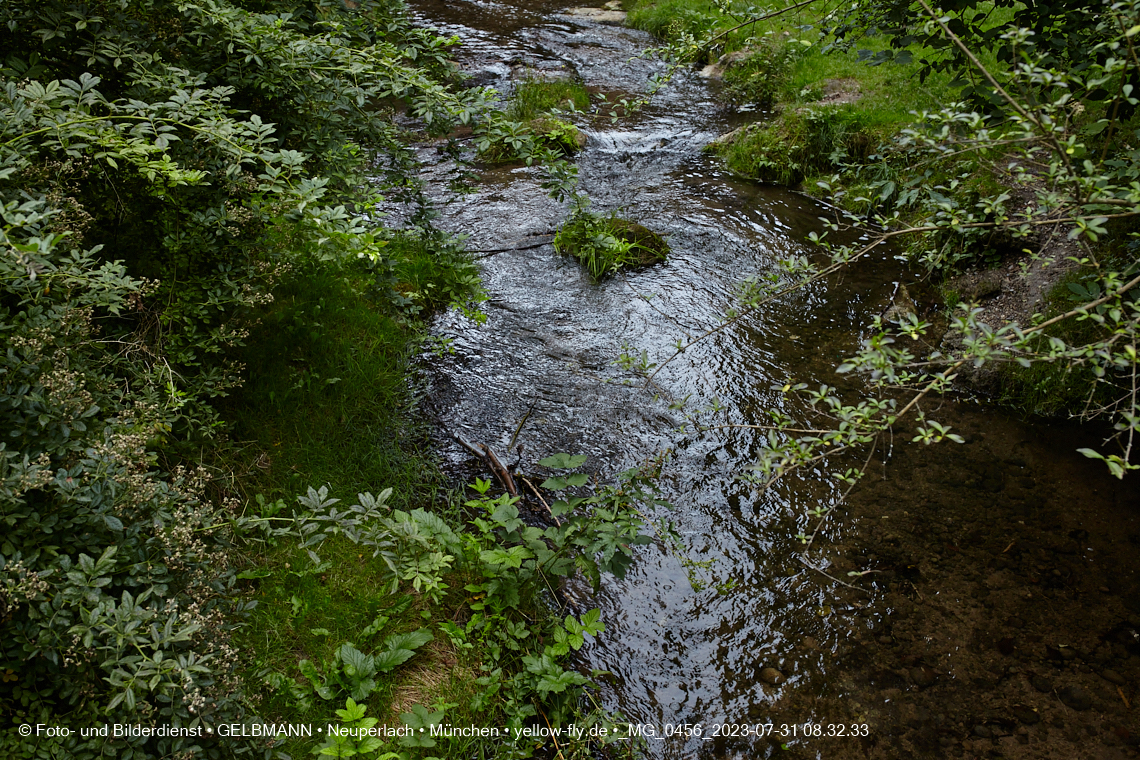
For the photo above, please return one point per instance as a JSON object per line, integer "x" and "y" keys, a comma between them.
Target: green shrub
{"x": 761, "y": 78}
{"x": 164, "y": 168}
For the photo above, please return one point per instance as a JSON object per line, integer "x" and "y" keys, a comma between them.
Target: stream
{"x": 936, "y": 652}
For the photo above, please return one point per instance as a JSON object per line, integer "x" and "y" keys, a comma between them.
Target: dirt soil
{"x": 1005, "y": 617}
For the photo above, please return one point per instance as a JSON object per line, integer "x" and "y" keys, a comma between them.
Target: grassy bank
{"x": 331, "y": 402}
{"x": 424, "y": 606}
{"x": 830, "y": 112}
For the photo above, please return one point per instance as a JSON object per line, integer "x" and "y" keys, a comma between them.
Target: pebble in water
{"x": 1076, "y": 698}
{"x": 923, "y": 676}
{"x": 771, "y": 676}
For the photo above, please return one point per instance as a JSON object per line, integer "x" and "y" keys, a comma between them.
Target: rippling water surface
{"x": 551, "y": 337}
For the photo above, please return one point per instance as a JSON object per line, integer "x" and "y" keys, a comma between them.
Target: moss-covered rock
{"x": 605, "y": 244}
{"x": 560, "y": 134}
{"x": 796, "y": 145}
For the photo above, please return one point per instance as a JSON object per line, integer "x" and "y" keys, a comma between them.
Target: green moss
{"x": 798, "y": 144}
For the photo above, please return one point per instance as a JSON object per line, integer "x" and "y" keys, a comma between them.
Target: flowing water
{"x": 546, "y": 353}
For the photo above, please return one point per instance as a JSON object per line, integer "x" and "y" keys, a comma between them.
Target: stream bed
{"x": 1001, "y": 613}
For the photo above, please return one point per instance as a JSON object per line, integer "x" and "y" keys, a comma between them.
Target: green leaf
{"x": 560, "y": 683}
{"x": 356, "y": 663}
{"x": 392, "y": 659}
{"x": 413, "y": 640}
{"x": 351, "y": 712}
{"x": 506, "y": 514}
{"x": 512, "y": 557}
{"x": 563, "y": 461}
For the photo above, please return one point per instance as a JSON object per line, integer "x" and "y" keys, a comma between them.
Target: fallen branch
{"x": 542, "y": 501}
{"x": 810, "y": 566}
{"x": 500, "y": 471}
{"x": 469, "y": 446}
{"x": 515, "y": 246}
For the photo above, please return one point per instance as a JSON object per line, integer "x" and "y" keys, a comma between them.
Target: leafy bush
{"x": 164, "y": 167}
{"x": 506, "y": 567}
{"x": 760, "y": 78}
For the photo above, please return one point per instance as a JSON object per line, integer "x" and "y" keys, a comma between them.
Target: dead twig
{"x": 488, "y": 252}
{"x": 810, "y": 566}
{"x": 542, "y": 501}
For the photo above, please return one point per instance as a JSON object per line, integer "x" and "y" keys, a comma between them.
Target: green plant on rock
{"x": 558, "y": 134}
{"x": 607, "y": 244}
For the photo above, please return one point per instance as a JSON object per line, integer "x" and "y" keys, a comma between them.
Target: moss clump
{"x": 605, "y": 244}
{"x": 797, "y": 145}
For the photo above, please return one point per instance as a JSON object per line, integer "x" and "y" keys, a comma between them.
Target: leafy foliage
{"x": 163, "y": 167}
{"x": 508, "y": 566}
